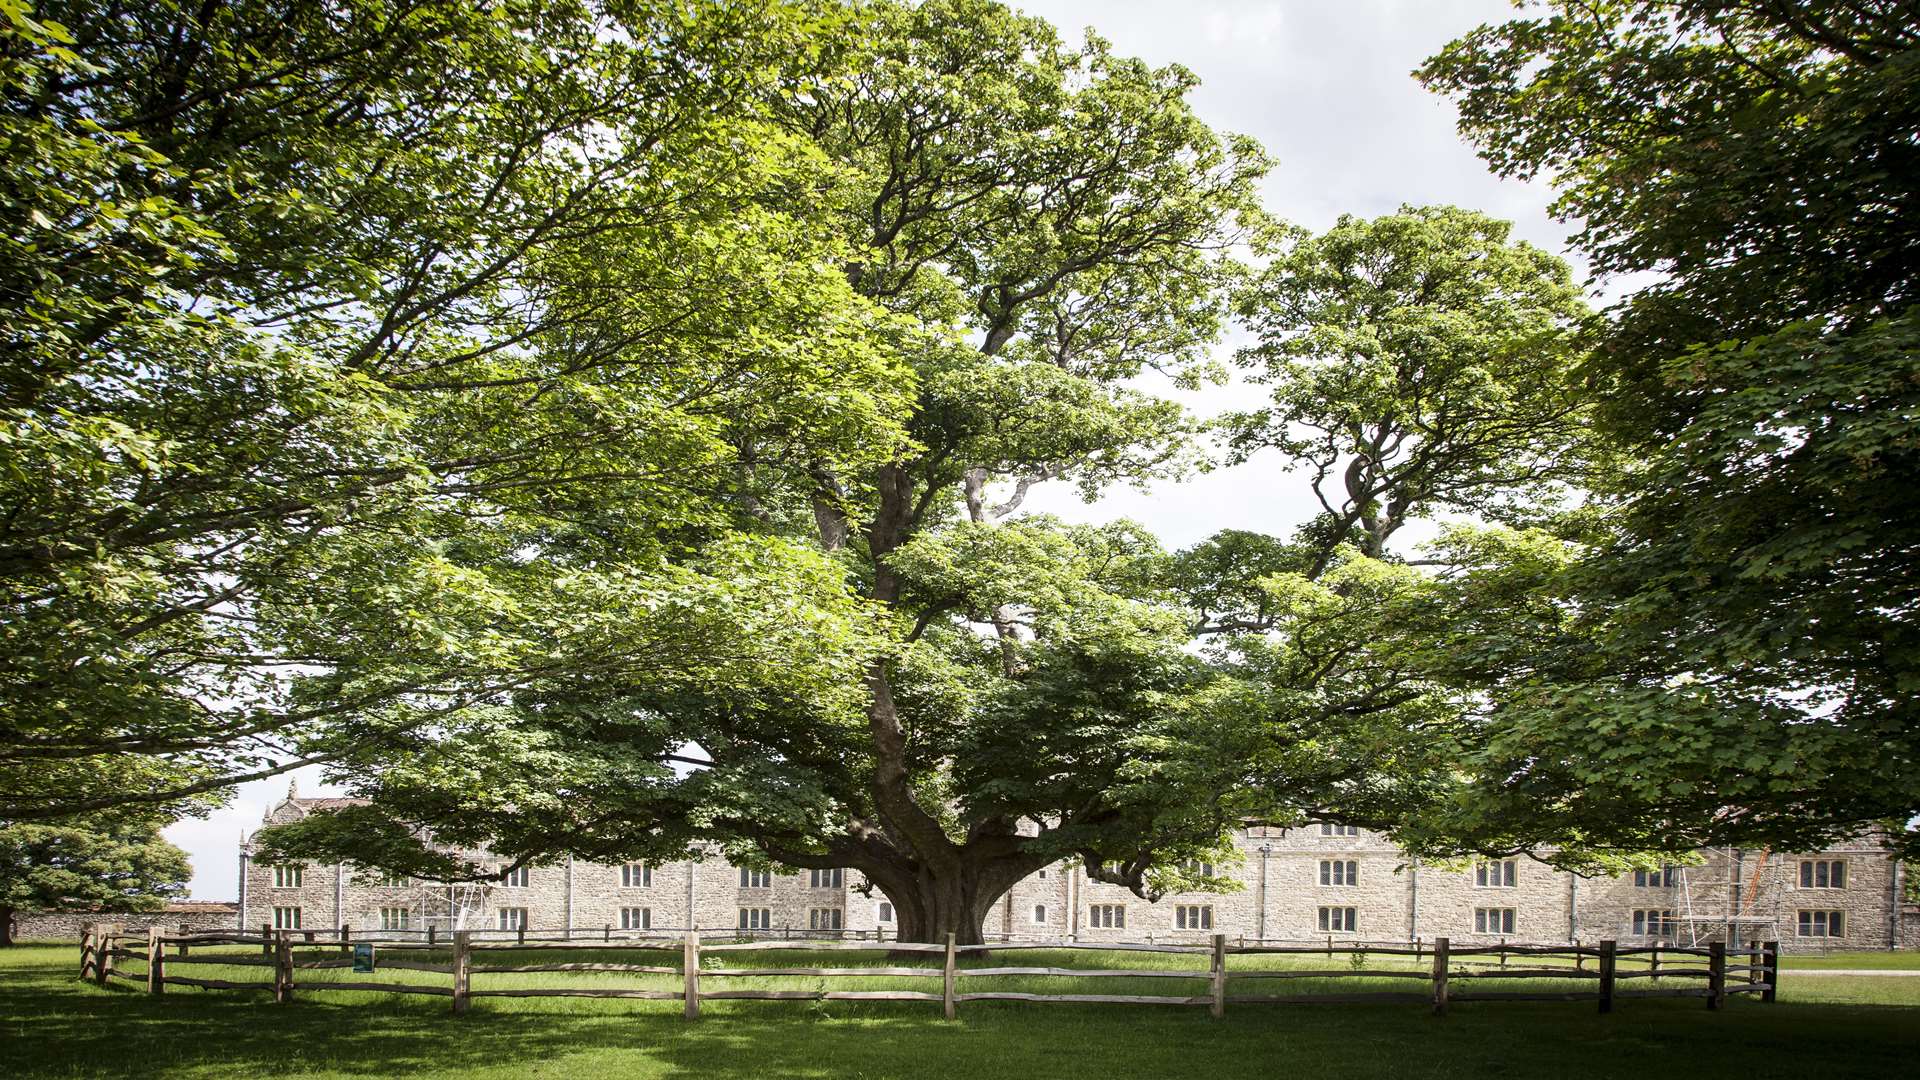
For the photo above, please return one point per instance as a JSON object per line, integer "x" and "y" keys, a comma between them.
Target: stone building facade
{"x": 1309, "y": 884}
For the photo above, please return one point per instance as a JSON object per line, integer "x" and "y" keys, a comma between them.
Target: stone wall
{"x": 67, "y": 925}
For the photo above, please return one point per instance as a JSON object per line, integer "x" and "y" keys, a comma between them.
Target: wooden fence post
{"x": 948, "y": 1003}
{"x": 521, "y": 938}
{"x": 1771, "y": 957}
{"x": 1608, "y": 959}
{"x": 1440, "y": 948}
{"x": 1219, "y": 975}
{"x": 432, "y": 935}
{"x": 283, "y": 968}
{"x": 266, "y": 939}
{"x": 86, "y": 949}
{"x": 607, "y": 933}
{"x": 462, "y": 969}
{"x": 183, "y": 948}
{"x": 1653, "y": 964}
{"x": 1755, "y": 966}
{"x": 346, "y": 938}
{"x": 156, "y": 962}
{"x": 104, "y": 945}
{"x": 1716, "y": 974}
{"x": 690, "y": 972}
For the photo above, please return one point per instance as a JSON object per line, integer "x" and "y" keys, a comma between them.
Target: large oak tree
{"x": 1046, "y": 221}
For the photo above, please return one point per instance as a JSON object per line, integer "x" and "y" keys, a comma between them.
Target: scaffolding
{"x": 459, "y": 906}
{"x": 1733, "y": 896}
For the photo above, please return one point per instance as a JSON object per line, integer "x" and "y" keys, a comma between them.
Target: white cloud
{"x": 1236, "y": 24}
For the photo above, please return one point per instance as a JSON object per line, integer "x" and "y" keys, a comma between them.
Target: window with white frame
{"x": 636, "y": 875}
{"x": 1339, "y": 872}
{"x": 756, "y": 879}
{"x": 883, "y": 913}
{"x": 1497, "y": 874}
{"x": 289, "y": 877}
{"x": 1108, "y": 916}
{"x": 1653, "y": 879}
{"x": 1039, "y": 914}
{"x": 827, "y": 879}
{"x": 286, "y": 918}
{"x": 392, "y": 881}
{"x": 636, "y": 918}
{"x": 1493, "y": 920}
{"x": 1823, "y": 873}
{"x": 1197, "y": 868}
{"x": 1193, "y": 917}
{"x": 1327, "y": 828}
{"x": 1823, "y": 924}
{"x": 516, "y": 878}
{"x": 513, "y": 918}
{"x": 823, "y": 918}
{"x": 393, "y": 918}
{"x": 1339, "y": 920}
{"x": 1652, "y": 922}
{"x": 756, "y": 918}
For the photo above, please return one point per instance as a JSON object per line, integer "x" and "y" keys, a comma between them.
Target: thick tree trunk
{"x": 929, "y": 901}
{"x": 6, "y": 926}
{"x": 938, "y": 884}
{"x": 941, "y": 906}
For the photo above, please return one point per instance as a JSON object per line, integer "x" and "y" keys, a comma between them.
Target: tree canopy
{"x": 1734, "y": 657}
{"x": 1419, "y": 363}
{"x": 1421, "y": 366}
{"x": 358, "y": 356}
{"x": 114, "y": 862}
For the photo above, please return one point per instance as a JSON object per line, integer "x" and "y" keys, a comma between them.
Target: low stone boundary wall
{"x": 65, "y": 926}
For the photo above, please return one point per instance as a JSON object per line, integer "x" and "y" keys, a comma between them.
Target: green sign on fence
{"x": 363, "y": 956}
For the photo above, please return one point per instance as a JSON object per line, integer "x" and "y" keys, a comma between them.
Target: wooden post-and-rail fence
{"x": 467, "y": 955}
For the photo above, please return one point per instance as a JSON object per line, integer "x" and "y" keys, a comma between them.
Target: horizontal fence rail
{"x": 1589, "y": 973}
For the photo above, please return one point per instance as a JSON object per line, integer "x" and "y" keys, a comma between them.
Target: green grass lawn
{"x": 53, "y": 1025}
{"x": 1856, "y": 960}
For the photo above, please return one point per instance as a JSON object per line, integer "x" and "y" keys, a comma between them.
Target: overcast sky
{"x": 1327, "y": 87}
{"x": 1324, "y": 85}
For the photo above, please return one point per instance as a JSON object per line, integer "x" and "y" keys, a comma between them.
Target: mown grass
{"x": 53, "y": 1025}
{"x": 1882, "y": 961}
